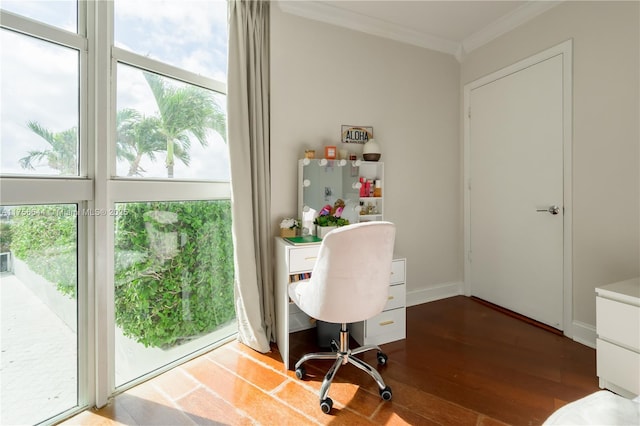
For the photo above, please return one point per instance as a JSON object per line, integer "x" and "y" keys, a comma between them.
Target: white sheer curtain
{"x": 248, "y": 136}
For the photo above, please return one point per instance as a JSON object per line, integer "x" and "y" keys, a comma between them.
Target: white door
{"x": 515, "y": 192}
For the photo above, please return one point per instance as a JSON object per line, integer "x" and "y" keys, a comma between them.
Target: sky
{"x": 39, "y": 80}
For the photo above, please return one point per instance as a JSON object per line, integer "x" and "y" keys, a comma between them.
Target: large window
{"x": 190, "y": 35}
{"x": 172, "y": 243}
{"x": 169, "y": 129}
{"x": 115, "y": 205}
{"x": 39, "y": 374}
{"x": 40, "y": 111}
{"x": 173, "y": 269}
{"x": 59, "y": 13}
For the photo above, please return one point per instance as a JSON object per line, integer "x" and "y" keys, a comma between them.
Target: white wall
{"x": 323, "y": 76}
{"x": 606, "y": 116}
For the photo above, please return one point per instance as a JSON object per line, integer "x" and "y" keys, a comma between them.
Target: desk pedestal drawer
{"x": 397, "y": 297}
{"x": 385, "y": 327}
{"x": 397, "y": 271}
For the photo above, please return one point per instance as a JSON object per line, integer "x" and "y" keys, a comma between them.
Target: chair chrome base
{"x": 343, "y": 356}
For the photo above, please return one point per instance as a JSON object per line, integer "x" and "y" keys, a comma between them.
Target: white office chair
{"x": 349, "y": 283}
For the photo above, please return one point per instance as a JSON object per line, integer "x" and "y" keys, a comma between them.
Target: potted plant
{"x": 289, "y": 227}
{"x": 330, "y": 218}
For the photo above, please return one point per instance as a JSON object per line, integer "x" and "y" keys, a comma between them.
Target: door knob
{"x": 551, "y": 209}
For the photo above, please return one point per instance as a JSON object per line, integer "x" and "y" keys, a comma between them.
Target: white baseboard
{"x": 584, "y": 333}
{"x": 436, "y": 292}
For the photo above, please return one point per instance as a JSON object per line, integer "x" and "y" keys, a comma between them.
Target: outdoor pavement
{"x": 38, "y": 359}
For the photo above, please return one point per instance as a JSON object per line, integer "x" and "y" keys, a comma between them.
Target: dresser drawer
{"x": 618, "y": 366}
{"x": 302, "y": 259}
{"x": 397, "y": 297}
{"x": 386, "y": 327}
{"x": 397, "y": 271}
{"x": 618, "y": 322}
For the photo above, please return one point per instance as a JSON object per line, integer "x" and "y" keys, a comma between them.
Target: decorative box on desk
{"x": 618, "y": 343}
{"x": 294, "y": 262}
{"x": 288, "y": 232}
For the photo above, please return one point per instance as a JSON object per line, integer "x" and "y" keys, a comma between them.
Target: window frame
{"x": 123, "y": 189}
{"x": 98, "y": 188}
{"x": 31, "y": 190}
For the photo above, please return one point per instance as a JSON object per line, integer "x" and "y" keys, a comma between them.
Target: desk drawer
{"x": 397, "y": 297}
{"x": 618, "y": 322}
{"x": 387, "y": 326}
{"x": 397, "y": 271}
{"x": 302, "y": 259}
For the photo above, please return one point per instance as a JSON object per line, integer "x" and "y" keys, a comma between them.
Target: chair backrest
{"x": 352, "y": 274}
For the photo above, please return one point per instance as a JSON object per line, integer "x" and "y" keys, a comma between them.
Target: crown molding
{"x": 358, "y": 22}
{"x": 355, "y": 21}
{"x": 507, "y": 23}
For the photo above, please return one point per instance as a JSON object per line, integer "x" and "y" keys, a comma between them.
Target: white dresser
{"x": 618, "y": 342}
{"x": 293, "y": 262}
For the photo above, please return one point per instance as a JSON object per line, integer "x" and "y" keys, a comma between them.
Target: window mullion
{"x": 45, "y": 191}
{"x": 102, "y": 101}
{"x": 43, "y": 31}
{"x": 149, "y": 64}
{"x": 159, "y": 190}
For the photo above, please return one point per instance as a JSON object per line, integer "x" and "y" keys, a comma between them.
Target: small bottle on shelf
{"x": 377, "y": 192}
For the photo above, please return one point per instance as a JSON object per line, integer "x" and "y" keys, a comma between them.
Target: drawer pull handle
{"x": 311, "y": 258}
{"x": 390, "y": 298}
{"x": 383, "y": 323}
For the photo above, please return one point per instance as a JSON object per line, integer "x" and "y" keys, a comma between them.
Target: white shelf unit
{"x": 374, "y": 171}
{"x": 618, "y": 342}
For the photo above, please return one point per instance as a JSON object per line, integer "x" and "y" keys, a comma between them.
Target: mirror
{"x": 322, "y": 182}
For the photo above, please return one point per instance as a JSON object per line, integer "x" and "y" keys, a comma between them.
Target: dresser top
{"x": 626, "y": 291}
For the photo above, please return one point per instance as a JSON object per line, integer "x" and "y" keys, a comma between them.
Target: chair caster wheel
{"x": 382, "y": 358}
{"x": 386, "y": 393}
{"x": 325, "y": 405}
{"x": 300, "y": 372}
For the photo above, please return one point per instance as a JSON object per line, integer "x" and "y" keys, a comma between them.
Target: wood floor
{"x": 463, "y": 363}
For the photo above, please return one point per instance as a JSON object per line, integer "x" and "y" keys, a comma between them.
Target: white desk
{"x": 388, "y": 326}
{"x": 618, "y": 342}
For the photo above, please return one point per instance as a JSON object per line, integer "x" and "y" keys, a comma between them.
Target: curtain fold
{"x": 248, "y": 136}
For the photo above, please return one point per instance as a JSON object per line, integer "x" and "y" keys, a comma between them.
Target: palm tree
{"x": 139, "y": 136}
{"x": 185, "y": 112}
{"x": 62, "y": 155}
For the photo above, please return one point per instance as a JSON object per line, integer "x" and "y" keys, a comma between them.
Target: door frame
{"x": 566, "y": 50}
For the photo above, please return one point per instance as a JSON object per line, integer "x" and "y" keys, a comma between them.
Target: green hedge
{"x": 174, "y": 270}
{"x": 5, "y": 236}
{"x": 44, "y": 237}
{"x": 173, "y": 264}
